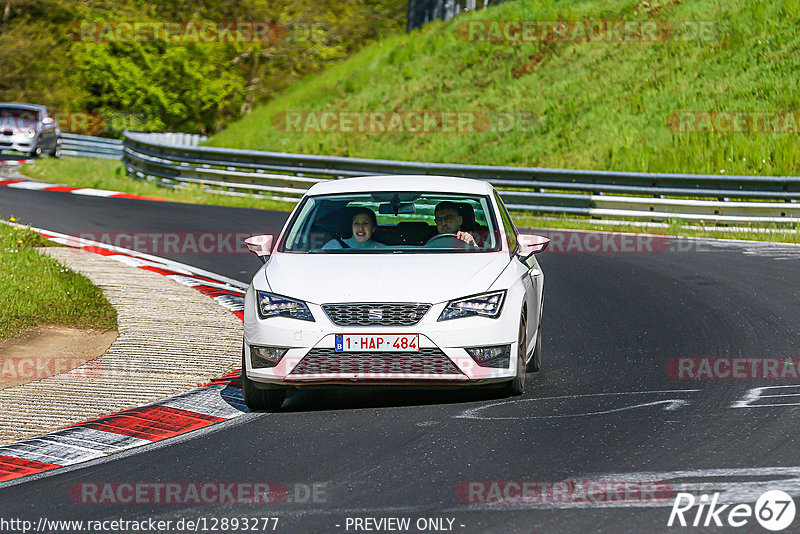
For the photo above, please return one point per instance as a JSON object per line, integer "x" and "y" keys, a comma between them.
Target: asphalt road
{"x": 604, "y": 406}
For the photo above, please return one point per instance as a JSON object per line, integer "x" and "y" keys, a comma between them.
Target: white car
{"x": 28, "y": 128}
{"x": 393, "y": 280}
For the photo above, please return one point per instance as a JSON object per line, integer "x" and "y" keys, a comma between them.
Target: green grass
{"x": 110, "y": 175}
{"x": 598, "y": 105}
{"x": 37, "y": 290}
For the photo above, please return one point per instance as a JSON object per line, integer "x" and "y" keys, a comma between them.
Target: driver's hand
{"x": 467, "y": 238}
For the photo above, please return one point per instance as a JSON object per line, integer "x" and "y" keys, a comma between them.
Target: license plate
{"x": 377, "y": 343}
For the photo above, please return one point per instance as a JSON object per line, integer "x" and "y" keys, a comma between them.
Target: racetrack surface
{"x": 603, "y": 408}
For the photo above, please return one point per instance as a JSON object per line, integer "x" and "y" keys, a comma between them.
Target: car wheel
{"x": 260, "y": 399}
{"x": 517, "y": 385}
{"x": 36, "y": 152}
{"x": 57, "y": 149}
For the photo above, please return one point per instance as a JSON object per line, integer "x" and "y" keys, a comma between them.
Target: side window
{"x": 508, "y": 226}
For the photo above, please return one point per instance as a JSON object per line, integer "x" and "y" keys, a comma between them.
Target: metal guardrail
{"x": 90, "y": 147}
{"x": 603, "y": 194}
{"x": 103, "y": 147}
{"x": 174, "y": 138}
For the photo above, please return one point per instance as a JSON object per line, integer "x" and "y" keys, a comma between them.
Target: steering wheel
{"x": 456, "y": 242}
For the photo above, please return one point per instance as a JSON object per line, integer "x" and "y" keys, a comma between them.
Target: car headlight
{"x": 486, "y": 305}
{"x": 29, "y": 133}
{"x": 271, "y": 305}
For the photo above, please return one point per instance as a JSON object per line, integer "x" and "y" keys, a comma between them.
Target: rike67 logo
{"x": 774, "y": 510}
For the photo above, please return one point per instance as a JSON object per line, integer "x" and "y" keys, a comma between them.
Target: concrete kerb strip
{"x": 171, "y": 339}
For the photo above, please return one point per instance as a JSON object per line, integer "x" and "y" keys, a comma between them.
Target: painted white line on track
{"x": 731, "y": 491}
{"x": 755, "y": 394}
{"x": 671, "y": 405}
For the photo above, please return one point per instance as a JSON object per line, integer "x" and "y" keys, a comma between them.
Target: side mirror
{"x": 530, "y": 244}
{"x": 260, "y": 245}
{"x": 48, "y": 120}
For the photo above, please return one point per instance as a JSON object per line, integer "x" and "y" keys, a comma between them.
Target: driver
{"x": 448, "y": 220}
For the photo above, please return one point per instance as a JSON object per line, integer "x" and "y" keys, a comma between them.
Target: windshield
{"x": 10, "y": 116}
{"x": 393, "y": 222}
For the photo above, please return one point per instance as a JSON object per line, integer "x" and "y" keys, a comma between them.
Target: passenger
{"x": 364, "y": 224}
{"x": 448, "y": 220}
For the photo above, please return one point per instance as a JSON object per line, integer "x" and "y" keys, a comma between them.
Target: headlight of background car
{"x": 487, "y": 305}
{"x": 270, "y": 305}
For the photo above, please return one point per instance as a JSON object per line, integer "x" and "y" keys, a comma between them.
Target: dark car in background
{"x": 28, "y": 128}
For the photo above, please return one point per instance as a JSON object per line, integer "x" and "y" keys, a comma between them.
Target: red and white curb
{"x": 15, "y": 183}
{"x": 212, "y": 403}
{"x": 15, "y": 161}
{"x": 215, "y": 402}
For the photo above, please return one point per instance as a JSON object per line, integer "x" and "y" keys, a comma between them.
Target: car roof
{"x": 402, "y": 182}
{"x": 20, "y": 105}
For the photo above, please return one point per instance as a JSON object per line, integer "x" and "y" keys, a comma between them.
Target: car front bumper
{"x": 17, "y": 142}
{"x": 311, "y": 358}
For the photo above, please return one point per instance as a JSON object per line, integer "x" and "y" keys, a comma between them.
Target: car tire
{"x": 257, "y": 398}
{"x": 56, "y": 153}
{"x": 517, "y": 385}
{"x": 36, "y": 152}
{"x": 536, "y": 360}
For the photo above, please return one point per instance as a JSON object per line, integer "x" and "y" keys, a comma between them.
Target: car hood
{"x": 327, "y": 278}
{"x": 11, "y": 124}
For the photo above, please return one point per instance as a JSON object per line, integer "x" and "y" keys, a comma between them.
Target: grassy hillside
{"x": 597, "y": 105}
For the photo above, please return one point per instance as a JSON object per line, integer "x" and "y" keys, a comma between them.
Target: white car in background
{"x": 30, "y": 129}
{"x": 340, "y": 302}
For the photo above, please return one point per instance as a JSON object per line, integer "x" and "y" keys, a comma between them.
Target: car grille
{"x": 429, "y": 361}
{"x": 376, "y": 314}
